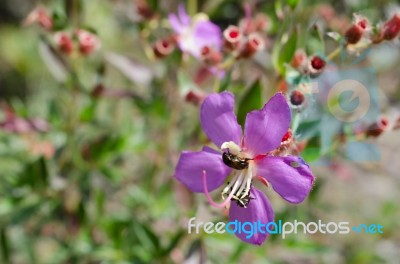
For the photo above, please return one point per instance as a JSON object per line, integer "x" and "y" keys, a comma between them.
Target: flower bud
{"x": 40, "y": 16}
{"x": 210, "y": 56}
{"x": 195, "y": 97}
{"x": 143, "y": 9}
{"x": 232, "y": 37}
{"x": 296, "y": 99}
{"x": 247, "y": 26}
{"x": 360, "y": 27}
{"x": 253, "y": 44}
{"x": 391, "y": 28}
{"x": 300, "y": 60}
{"x": 88, "y": 42}
{"x": 353, "y": 34}
{"x": 261, "y": 22}
{"x": 377, "y": 128}
{"x": 63, "y": 42}
{"x": 163, "y": 47}
{"x": 316, "y": 66}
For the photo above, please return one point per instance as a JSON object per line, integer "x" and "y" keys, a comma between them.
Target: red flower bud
{"x": 261, "y": 22}
{"x": 40, "y": 16}
{"x": 143, "y": 9}
{"x": 195, "y": 97}
{"x": 253, "y": 44}
{"x": 232, "y": 37}
{"x": 300, "y": 60}
{"x": 354, "y": 34}
{"x": 63, "y": 42}
{"x": 210, "y": 56}
{"x": 296, "y": 99}
{"x": 163, "y": 47}
{"x": 44, "y": 19}
{"x": 88, "y": 42}
{"x": 391, "y": 28}
{"x": 378, "y": 127}
{"x": 316, "y": 66}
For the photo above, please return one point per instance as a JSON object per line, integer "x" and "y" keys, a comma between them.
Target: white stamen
{"x": 249, "y": 177}
{"x": 239, "y": 179}
{"x": 243, "y": 185}
{"x": 231, "y": 183}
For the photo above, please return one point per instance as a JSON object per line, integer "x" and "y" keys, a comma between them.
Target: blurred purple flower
{"x": 194, "y": 34}
{"x": 247, "y": 157}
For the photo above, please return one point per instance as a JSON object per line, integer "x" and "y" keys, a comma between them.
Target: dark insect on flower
{"x": 242, "y": 199}
{"x": 234, "y": 161}
{"x": 242, "y": 202}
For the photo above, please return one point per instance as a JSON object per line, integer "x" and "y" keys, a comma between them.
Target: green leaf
{"x": 315, "y": 40}
{"x": 308, "y": 129}
{"x": 312, "y": 151}
{"x": 226, "y": 81}
{"x": 250, "y": 101}
{"x": 283, "y": 51}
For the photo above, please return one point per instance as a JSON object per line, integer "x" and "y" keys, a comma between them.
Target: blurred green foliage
{"x": 98, "y": 186}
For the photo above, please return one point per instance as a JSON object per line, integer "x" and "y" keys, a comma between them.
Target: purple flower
{"x": 194, "y": 34}
{"x": 246, "y": 157}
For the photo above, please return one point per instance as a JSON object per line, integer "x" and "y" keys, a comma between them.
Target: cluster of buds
{"x": 311, "y": 65}
{"x": 362, "y": 29}
{"x": 39, "y": 15}
{"x": 241, "y": 44}
{"x": 86, "y": 42}
{"x": 164, "y": 47}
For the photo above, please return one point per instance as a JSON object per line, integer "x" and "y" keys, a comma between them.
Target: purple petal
{"x": 183, "y": 16}
{"x": 175, "y": 23}
{"x": 207, "y": 33}
{"x": 259, "y": 210}
{"x": 218, "y": 119}
{"x": 289, "y": 176}
{"x": 191, "y": 165}
{"x": 265, "y": 128}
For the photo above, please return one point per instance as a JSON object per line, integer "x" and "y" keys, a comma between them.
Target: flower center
{"x": 239, "y": 188}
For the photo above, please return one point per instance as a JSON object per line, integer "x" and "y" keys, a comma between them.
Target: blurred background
{"x": 93, "y": 119}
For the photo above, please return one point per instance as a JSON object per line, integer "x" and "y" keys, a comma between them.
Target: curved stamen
{"x": 247, "y": 184}
{"x": 243, "y": 184}
{"x": 209, "y": 198}
{"x": 230, "y": 184}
